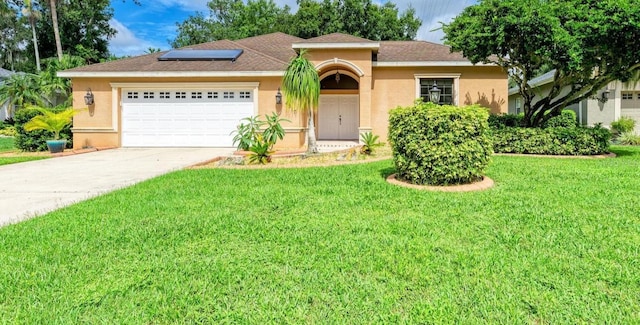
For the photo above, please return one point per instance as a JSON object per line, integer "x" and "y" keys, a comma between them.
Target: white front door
{"x": 183, "y": 118}
{"x": 338, "y": 117}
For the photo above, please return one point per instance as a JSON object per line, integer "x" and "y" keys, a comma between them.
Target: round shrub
{"x": 440, "y": 145}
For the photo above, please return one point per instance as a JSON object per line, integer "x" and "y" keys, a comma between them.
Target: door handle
{"x": 340, "y": 119}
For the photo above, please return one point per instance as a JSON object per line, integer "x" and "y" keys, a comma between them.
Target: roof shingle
{"x": 406, "y": 51}
{"x": 271, "y": 53}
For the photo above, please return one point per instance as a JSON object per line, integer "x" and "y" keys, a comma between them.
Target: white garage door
{"x": 183, "y": 118}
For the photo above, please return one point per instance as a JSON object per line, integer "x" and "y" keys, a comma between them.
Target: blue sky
{"x": 153, "y": 23}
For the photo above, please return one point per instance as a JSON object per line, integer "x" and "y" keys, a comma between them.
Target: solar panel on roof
{"x": 201, "y": 55}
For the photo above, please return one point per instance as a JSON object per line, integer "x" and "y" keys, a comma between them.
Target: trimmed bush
{"x": 566, "y": 119}
{"x": 623, "y": 125}
{"x": 552, "y": 140}
{"x": 440, "y": 145}
{"x": 36, "y": 140}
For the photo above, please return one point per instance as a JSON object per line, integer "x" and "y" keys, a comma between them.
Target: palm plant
{"x": 20, "y": 90}
{"x": 51, "y": 121}
{"x": 53, "y": 86}
{"x": 301, "y": 88}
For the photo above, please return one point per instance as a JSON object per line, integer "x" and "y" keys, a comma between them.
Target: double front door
{"x": 338, "y": 117}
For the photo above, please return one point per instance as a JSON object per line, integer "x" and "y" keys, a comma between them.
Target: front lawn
{"x": 556, "y": 241}
{"x": 10, "y": 155}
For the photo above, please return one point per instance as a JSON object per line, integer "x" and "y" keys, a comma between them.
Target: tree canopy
{"x": 589, "y": 43}
{"x": 235, "y": 19}
{"x": 83, "y": 25}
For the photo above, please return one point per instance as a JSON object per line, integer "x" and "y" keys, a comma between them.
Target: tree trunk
{"x": 35, "y": 43}
{"x": 56, "y": 30}
{"x": 311, "y": 134}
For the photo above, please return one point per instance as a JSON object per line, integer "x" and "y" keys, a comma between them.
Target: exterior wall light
{"x": 278, "y": 97}
{"x": 88, "y": 98}
{"x": 434, "y": 93}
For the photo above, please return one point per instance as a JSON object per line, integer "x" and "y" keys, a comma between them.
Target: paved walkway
{"x": 37, "y": 187}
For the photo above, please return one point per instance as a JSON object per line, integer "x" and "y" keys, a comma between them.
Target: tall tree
{"x": 231, "y": 19}
{"x": 13, "y": 36}
{"x": 56, "y": 29}
{"x": 33, "y": 15}
{"x": 86, "y": 30}
{"x": 589, "y": 43}
{"x": 234, "y": 19}
{"x": 301, "y": 88}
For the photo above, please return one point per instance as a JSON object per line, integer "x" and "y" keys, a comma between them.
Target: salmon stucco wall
{"x": 380, "y": 89}
{"x": 99, "y": 125}
{"x": 393, "y": 87}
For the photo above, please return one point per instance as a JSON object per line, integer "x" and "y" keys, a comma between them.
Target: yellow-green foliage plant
{"x": 440, "y": 145}
{"x": 51, "y": 121}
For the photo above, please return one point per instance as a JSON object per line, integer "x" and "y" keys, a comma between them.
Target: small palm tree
{"x": 20, "y": 90}
{"x": 301, "y": 88}
{"x": 50, "y": 121}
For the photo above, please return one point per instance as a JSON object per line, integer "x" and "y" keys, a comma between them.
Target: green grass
{"x": 7, "y": 144}
{"x": 15, "y": 160}
{"x": 556, "y": 241}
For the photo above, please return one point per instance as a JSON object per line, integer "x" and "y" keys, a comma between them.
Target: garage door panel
{"x": 182, "y": 122}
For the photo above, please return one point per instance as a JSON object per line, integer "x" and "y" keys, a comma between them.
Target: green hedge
{"x": 552, "y": 140}
{"x": 567, "y": 118}
{"x": 36, "y": 140}
{"x": 440, "y": 145}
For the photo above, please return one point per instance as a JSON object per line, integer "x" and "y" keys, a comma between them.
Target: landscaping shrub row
{"x": 551, "y": 140}
{"x": 567, "y": 119}
{"x": 36, "y": 140}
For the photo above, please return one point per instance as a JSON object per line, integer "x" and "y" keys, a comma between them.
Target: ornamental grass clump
{"x": 440, "y": 145}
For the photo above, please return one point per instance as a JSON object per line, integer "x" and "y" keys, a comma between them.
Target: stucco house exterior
{"x": 617, "y": 99}
{"x": 173, "y": 98}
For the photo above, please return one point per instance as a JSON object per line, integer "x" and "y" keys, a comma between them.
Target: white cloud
{"x": 126, "y": 42}
{"x": 195, "y": 5}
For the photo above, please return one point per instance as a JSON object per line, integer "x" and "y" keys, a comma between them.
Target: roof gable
{"x": 416, "y": 51}
{"x": 337, "y": 38}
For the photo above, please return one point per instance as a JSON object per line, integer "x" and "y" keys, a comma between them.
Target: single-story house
{"x": 617, "y": 99}
{"x": 196, "y": 96}
{"x": 4, "y": 107}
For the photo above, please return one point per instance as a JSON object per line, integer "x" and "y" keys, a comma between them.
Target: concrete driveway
{"x": 37, "y": 187}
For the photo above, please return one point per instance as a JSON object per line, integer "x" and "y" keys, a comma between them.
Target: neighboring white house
{"x": 614, "y": 101}
{"x": 4, "y": 113}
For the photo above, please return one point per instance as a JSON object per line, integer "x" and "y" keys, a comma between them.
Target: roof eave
{"x": 167, "y": 74}
{"x": 429, "y": 64}
{"x": 367, "y": 45}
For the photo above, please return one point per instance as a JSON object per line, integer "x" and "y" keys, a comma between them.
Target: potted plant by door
{"x": 53, "y": 122}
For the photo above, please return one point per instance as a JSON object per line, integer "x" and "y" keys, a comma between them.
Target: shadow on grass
{"x": 385, "y": 172}
{"x": 626, "y": 151}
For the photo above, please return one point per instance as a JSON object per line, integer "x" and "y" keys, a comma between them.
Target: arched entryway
{"x": 338, "y": 109}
